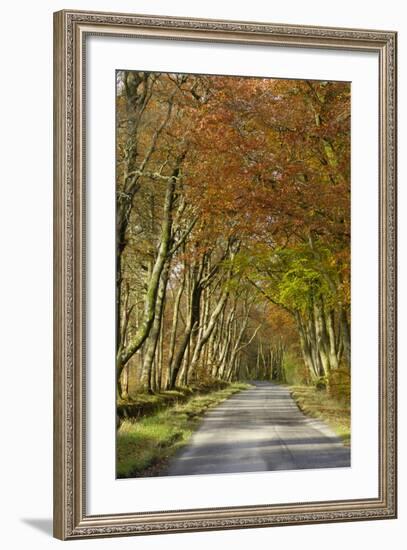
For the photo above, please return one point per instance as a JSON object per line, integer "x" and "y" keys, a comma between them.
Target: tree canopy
{"x": 232, "y": 228}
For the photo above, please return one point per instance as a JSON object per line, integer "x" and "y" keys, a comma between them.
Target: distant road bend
{"x": 259, "y": 429}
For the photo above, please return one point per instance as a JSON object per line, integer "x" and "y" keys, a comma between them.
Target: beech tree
{"x": 233, "y": 198}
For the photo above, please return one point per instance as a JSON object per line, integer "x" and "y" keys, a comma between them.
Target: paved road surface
{"x": 259, "y": 429}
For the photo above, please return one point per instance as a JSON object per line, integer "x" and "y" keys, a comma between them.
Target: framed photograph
{"x": 225, "y": 274}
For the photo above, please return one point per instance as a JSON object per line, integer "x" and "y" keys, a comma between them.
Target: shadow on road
{"x": 259, "y": 429}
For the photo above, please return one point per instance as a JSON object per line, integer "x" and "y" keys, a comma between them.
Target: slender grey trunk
{"x": 174, "y": 328}
{"x": 147, "y": 375}
{"x": 153, "y": 284}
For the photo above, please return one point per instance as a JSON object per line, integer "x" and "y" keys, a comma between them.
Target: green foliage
{"x": 306, "y": 276}
{"x": 293, "y": 277}
{"x": 295, "y": 371}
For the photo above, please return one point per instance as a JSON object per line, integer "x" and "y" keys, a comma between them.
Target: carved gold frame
{"x": 70, "y": 518}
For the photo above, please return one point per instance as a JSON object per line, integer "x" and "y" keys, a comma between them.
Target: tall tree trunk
{"x": 124, "y": 382}
{"x": 322, "y": 340}
{"x": 193, "y": 315}
{"x": 147, "y": 375}
{"x": 333, "y": 349}
{"x": 206, "y": 333}
{"x": 137, "y": 90}
{"x": 277, "y": 362}
{"x": 152, "y": 289}
{"x": 345, "y": 336}
{"x": 227, "y": 341}
{"x": 193, "y": 320}
{"x": 160, "y": 354}
{"x": 307, "y": 347}
{"x": 174, "y": 328}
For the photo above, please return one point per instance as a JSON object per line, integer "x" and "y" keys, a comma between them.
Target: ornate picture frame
{"x": 71, "y": 517}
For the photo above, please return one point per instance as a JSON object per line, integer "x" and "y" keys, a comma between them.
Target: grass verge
{"x": 145, "y": 445}
{"x": 318, "y": 404}
{"x": 145, "y": 404}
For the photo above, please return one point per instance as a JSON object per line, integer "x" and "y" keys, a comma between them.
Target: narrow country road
{"x": 259, "y": 429}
